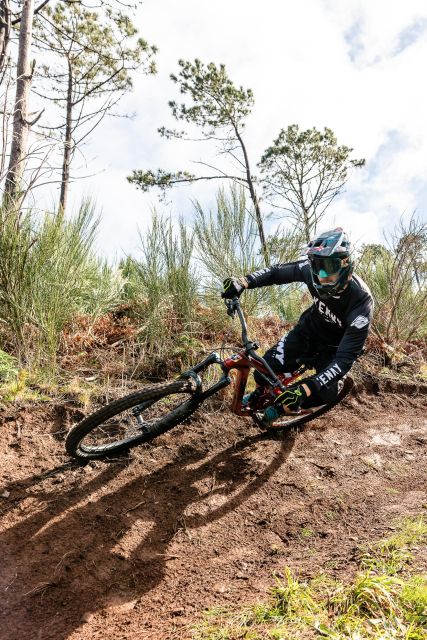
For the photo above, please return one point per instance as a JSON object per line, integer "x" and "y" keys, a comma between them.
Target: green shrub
{"x": 397, "y": 277}
{"x": 48, "y": 272}
{"x": 162, "y": 285}
{"x": 227, "y": 244}
{"x": 8, "y": 367}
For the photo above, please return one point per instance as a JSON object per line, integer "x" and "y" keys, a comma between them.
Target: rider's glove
{"x": 233, "y": 287}
{"x": 292, "y": 398}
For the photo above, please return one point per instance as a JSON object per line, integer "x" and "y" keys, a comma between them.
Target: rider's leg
{"x": 282, "y": 357}
{"x": 250, "y": 398}
{"x": 326, "y": 394}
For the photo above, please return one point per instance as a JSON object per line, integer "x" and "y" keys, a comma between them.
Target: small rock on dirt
{"x": 87, "y": 617}
{"x": 388, "y": 439}
{"x": 220, "y": 587}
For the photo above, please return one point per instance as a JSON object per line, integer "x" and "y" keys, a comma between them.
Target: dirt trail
{"x": 139, "y": 546}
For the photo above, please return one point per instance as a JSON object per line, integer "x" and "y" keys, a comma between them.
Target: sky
{"x": 356, "y": 66}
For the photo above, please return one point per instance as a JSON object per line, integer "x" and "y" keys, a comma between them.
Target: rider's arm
{"x": 280, "y": 274}
{"x": 349, "y": 349}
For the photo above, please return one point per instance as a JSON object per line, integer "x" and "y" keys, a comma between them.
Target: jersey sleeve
{"x": 349, "y": 348}
{"x": 279, "y": 274}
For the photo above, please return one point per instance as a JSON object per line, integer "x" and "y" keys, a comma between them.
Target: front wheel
{"x": 288, "y": 421}
{"x": 135, "y": 418}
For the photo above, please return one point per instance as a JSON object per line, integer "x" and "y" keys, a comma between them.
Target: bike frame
{"x": 243, "y": 361}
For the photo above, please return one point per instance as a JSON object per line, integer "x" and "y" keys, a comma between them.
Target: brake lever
{"x": 231, "y": 307}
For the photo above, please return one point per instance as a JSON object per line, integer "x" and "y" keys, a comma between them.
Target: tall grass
{"x": 48, "y": 272}
{"x": 288, "y": 301}
{"x": 162, "y": 285}
{"x": 16, "y": 242}
{"x": 397, "y": 277}
{"x": 103, "y": 287}
{"x": 228, "y": 244}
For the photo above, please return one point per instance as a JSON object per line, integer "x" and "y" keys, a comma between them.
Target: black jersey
{"x": 341, "y": 322}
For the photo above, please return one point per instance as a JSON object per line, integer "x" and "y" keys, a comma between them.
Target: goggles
{"x": 324, "y": 267}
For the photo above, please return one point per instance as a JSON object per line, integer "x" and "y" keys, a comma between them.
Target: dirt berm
{"x": 137, "y": 547}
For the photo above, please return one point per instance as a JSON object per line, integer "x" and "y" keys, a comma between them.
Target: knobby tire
{"x": 76, "y": 447}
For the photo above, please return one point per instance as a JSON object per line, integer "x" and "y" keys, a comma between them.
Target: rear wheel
{"x": 131, "y": 420}
{"x": 289, "y": 421}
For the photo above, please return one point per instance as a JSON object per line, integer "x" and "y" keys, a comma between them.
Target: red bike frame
{"x": 243, "y": 363}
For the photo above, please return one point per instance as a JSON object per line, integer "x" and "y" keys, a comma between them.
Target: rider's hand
{"x": 234, "y": 287}
{"x": 292, "y": 398}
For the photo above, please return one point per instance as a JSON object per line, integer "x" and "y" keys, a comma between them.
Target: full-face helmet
{"x": 330, "y": 261}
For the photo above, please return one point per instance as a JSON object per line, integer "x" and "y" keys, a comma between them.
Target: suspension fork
{"x": 239, "y": 390}
{"x": 274, "y": 384}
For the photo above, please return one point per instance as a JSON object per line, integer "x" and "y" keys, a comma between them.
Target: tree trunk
{"x": 20, "y": 115}
{"x": 307, "y": 226}
{"x": 5, "y": 19}
{"x": 260, "y": 224}
{"x": 68, "y": 143}
{"x": 255, "y": 201}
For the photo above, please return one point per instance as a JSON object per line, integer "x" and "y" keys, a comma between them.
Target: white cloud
{"x": 374, "y": 30}
{"x": 345, "y": 65}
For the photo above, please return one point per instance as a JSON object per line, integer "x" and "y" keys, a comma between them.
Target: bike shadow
{"x": 80, "y": 553}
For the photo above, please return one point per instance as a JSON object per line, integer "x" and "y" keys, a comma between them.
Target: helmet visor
{"x": 324, "y": 267}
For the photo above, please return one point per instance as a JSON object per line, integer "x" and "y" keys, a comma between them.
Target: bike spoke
{"x": 132, "y": 423}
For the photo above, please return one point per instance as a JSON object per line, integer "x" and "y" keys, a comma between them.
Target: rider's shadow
{"x": 116, "y": 547}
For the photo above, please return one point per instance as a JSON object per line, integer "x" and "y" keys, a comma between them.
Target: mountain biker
{"x": 332, "y": 331}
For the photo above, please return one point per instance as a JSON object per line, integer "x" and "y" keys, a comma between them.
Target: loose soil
{"x": 137, "y": 547}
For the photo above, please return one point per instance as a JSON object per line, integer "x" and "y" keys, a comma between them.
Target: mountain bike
{"x": 146, "y": 414}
